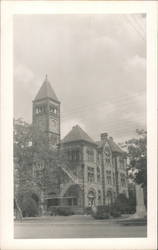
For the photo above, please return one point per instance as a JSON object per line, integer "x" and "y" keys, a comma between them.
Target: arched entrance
{"x": 73, "y": 196}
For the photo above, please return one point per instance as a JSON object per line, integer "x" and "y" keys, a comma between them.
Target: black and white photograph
{"x": 82, "y": 134}
{"x": 80, "y": 155}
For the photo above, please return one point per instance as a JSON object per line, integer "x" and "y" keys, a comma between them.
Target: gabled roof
{"x": 77, "y": 134}
{"x": 46, "y": 91}
{"x": 113, "y": 146}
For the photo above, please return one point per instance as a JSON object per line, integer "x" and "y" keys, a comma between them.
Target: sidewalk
{"x": 71, "y": 220}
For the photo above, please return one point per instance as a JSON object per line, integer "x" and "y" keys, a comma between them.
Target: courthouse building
{"x": 97, "y": 170}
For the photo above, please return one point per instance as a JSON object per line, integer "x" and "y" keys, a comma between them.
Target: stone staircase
{"x": 73, "y": 180}
{"x": 73, "y": 177}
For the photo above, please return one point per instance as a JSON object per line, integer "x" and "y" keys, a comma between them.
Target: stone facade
{"x": 100, "y": 170}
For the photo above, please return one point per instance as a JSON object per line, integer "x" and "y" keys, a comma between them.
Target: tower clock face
{"x": 53, "y": 125}
{"x": 41, "y": 124}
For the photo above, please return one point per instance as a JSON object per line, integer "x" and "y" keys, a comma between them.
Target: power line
{"x": 119, "y": 107}
{"x": 132, "y": 23}
{"x": 121, "y": 101}
{"x": 137, "y": 20}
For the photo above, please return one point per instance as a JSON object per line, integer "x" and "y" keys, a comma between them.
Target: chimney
{"x": 104, "y": 136}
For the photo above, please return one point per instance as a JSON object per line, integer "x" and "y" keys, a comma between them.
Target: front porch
{"x": 53, "y": 204}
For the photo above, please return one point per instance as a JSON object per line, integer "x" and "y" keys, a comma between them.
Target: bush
{"x": 65, "y": 211}
{"x": 52, "y": 210}
{"x": 115, "y": 212}
{"x": 101, "y": 213}
{"x": 88, "y": 210}
{"x": 29, "y": 207}
{"x": 122, "y": 204}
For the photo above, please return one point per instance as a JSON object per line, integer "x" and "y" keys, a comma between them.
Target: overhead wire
{"x": 135, "y": 27}
{"x": 112, "y": 101}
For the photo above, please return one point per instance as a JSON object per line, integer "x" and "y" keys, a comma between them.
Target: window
{"x": 108, "y": 176}
{"x": 123, "y": 180}
{"x": 98, "y": 158}
{"x": 90, "y": 174}
{"x": 108, "y": 161}
{"x": 114, "y": 180}
{"x": 52, "y": 109}
{"x": 99, "y": 195}
{"x": 107, "y": 158}
{"x": 74, "y": 155}
{"x": 98, "y": 174}
{"x": 90, "y": 155}
{"x": 40, "y": 109}
{"x": 121, "y": 161}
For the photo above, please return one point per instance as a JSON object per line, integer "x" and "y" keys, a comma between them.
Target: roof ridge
{"x": 77, "y": 134}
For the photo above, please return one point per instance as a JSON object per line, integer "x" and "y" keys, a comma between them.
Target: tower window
{"x": 40, "y": 109}
{"x": 53, "y": 109}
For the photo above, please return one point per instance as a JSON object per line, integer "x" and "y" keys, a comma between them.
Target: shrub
{"x": 88, "y": 210}
{"x": 101, "y": 213}
{"x": 115, "y": 212}
{"x": 122, "y": 204}
{"x": 29, "y": 207}
{"x": 52, "y": 210}
{"x": 65, "y": 211}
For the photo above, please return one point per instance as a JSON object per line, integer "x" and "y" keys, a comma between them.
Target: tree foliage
{"x": 137, "y": 155}
{"x": 31, "y": 146}
{"x": 28, "y": 205}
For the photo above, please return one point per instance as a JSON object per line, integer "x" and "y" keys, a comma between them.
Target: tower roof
{"x": 77, "y": 134}
{"x": 46, "y": 91}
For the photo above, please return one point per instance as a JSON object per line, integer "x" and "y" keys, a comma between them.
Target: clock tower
{"x": 46, "y": 114}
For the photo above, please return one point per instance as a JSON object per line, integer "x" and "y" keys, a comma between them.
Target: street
{"x": 75, "y": 227}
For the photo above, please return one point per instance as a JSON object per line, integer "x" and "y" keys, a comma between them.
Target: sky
{"x": 95, "y": 63}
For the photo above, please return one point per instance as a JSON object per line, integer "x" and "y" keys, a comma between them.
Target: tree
{"x": 137, "y": 155}
{"x": 23, "y": 155}
{"x": 31, "y": 146}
